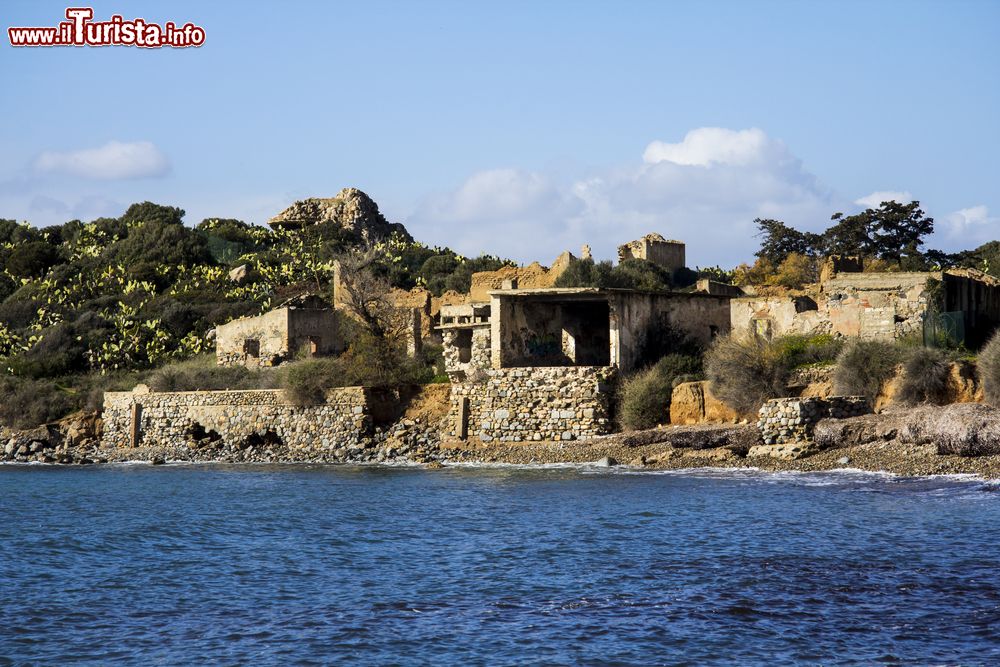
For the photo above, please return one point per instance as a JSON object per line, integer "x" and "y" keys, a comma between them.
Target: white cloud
{"x": 875, "y": 199}
{"x": 705, "y": 190}
{"x": 114, "y": 160}
{"x": 967, "y": 228}
{"x": 715, "y": 145}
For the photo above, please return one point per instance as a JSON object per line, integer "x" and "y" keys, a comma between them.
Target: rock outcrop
{"x": 693, "y": 403}
{"x": 351, "y": 209}
{"x": 965, "y": 429}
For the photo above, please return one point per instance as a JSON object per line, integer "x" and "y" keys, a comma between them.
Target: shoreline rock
{"x": 899, "y": 442}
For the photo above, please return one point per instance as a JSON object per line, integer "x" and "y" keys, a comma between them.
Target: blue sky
{"x": 519, "y": 128}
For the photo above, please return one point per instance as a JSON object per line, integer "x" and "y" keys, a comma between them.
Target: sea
{"x": 466, "y": 565}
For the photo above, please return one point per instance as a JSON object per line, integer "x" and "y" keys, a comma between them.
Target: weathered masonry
{"x": 877, "y": 305}
{"x": 595, "y": 327}
{"x": 521, "y": 404}
{"x": 144, "y": 418}
{"x": 276, "y": 336}
{"x": 788, "y": 420}
{"x": 540, "y": 364}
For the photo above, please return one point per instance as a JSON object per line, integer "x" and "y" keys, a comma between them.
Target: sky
{"x": 519, "y": 128}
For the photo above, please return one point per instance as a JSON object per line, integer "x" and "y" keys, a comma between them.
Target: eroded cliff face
{"x": 351, "y": 209}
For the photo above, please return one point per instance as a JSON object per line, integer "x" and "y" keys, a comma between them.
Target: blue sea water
{"x": 335, "y": 564}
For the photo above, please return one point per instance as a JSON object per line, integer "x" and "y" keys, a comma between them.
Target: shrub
{"x": 28, "y": 402}
{"x": 147, "y": 211}
{"x": 644, "y": 398}
{"x": 988, "y": 364}
{"x": 32, "y": 259}
{"x": 630, "y": 274}
{"x": 795, "y": 271}
{"x": 745, "y": 373}
{"x": 368, "y": 362}
{"x": 305, "y": 382}
{"x": 863, "y": 366}
{"x": 800, "y": 351}
{"x": 201, "y": 373}
{"x": 925, "y": 376}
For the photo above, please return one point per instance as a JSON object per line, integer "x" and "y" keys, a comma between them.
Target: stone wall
{"x": 466, "y": 351}
{"x": 144, "y": 418}
{"x": 635, "y": 316}
{"x": 521, "y": 404}
{"x": 787, "y": 420}
{"x": 656, "y": 249}
{"x": 532, "y": 276}
{"x": 275, "y": 336}
{"x": 883, "y": 306}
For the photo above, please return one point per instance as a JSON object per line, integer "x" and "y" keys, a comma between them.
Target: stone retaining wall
{"x": 144, "y": 418}
{"x": 521, "y": 404}
{"x": 787, "y": 420}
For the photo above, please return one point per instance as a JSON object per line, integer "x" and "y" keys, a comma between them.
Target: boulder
{"x": 239, "y": 274}
{"x": 350, "y": 209}
{"x": 786, "y": 451}
{"x": 693, "y": 403}
{"x": 966, "y": 429}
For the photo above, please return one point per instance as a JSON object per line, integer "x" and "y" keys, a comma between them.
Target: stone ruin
{"x": 793, "y": 420}
{"x": 656, "y": 249}
{"x": 306, "y": 325}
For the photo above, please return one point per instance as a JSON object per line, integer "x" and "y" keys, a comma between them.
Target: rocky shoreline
{"x": 913, "y": 442}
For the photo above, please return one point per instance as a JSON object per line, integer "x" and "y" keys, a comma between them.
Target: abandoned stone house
{"x": 540, "y": 363}
{"x": 305, "y": 326}
{"x": 654, "y": 248}
{"x": 884, "y": 306}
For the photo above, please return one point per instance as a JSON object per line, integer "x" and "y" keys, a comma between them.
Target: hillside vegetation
{"x": 86, "y": 306}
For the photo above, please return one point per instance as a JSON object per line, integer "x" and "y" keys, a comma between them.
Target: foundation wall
{"x": 522, "y": 404}
{"x": 142, "y": 418}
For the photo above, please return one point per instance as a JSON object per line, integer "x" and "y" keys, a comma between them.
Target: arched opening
{"x": 267, "y": 439}
{"x": 201, "y": 436}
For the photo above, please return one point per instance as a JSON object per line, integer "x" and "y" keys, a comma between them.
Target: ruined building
{"x": 883, "y": 306}
{"x": 540, "y": 363}
{"x": 656, "y": 249}
{"x": 307, "y": 325}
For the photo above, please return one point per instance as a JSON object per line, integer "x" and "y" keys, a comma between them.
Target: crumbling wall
{"x": 522, "y": 404}
{"x": 883, "y": 306}
{"x": 253, "y": 341}
{"x": 787, "y": 420}
{"x": 466, "y": 351}
{"x": 144, "y": 418}
{"x": 532, "y": 276}
{"x": 635, "y": 316}
{"x": 275, "y": 336}
{"x": 656, "y": 249}
{"x": 778, "y": 316}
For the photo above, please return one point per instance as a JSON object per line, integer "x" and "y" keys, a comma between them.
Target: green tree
{"x": 779, "y": 241}
{"x": 147, "y": 211}
{"x": 898, "y": 229}
{"x": 851, "y": 235}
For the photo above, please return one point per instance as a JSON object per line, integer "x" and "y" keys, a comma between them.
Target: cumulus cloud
{"x": 875, "y": 199}
{"x": 715, "y": 145}
{"x": 967, "y": 228}
{"x": 705, "y": 190}
{"x": 114, "y": 160}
